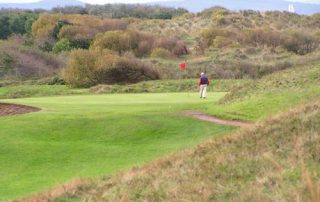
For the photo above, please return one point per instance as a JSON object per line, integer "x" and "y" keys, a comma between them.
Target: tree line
{"x": 123, "y": 11}
{"x": 16, "y": 23}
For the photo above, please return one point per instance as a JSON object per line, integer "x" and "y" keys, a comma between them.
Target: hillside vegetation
{"x": 260, "y": 64}
{"x": 224, "y": 44}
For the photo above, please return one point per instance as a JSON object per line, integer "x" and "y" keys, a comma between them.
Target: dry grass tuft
{"x": 70, "y": 188}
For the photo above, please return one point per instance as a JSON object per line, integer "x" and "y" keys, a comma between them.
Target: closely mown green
{"x": 93, "y": 135}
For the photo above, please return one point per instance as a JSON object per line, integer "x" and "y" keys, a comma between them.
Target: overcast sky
{"x": 125, "y": 1}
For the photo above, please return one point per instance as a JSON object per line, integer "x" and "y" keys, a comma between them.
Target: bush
{"x": 130, "y": 70}
{"x": 26, "y": 63}
{"x": 6, "y": 63}
{"x": 261, "y": 37}
{"x": 139, "y": 43}
{"x": 160, "y": 53}
{"x": 219, "y": 16}
{"x": 62, "y": 45}
{"x": 87, "y": 68}
{"x": 81, "y": 68}
{"x": 75, "y": 28}
{"x": 113, "y": 40}
{"x": 301, "y": 43}
{"x": 209, "y": 35}
{"x": 221, "y": 41}
{"x": 175, "y": 46}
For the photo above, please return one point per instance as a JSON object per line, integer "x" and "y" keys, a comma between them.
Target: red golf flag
{"x": 183, "y": 66}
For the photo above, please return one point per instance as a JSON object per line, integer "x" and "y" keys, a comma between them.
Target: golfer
{"x": 203, "y": 84}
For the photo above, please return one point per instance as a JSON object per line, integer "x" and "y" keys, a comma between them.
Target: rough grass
{"x": 259, "y": 99}
{"x": 299, "y": 78}
{"x": 160, "y": 86}
{"x": 278, "y": 160}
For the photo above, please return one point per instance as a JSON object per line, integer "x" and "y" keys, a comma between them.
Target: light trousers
{"x": 203, "y": 90}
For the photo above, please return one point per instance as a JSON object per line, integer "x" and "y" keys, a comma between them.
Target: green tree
{"x": 4, "y": 27}
{"x": 16, "y": 23}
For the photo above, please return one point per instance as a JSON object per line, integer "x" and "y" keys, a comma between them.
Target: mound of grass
{"x": 259, "y": 99}
{"x": 276, "y": 160}
{"x": 299, "y": 78}
{"x": 21, "y": 91}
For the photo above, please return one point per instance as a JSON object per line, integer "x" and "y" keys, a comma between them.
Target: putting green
{"x": 94, "y": 135}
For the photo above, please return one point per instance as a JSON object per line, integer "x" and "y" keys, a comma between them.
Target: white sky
{"x": 126, "y": 1}
{"x": 87, "y": 1}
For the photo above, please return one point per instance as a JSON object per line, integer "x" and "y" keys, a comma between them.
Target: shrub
{"x": 301, "y": 43}
{"x": 130, "y": 70}
{"x": 175, "y": 46}
{"x": 81, "y": 68}
{"x": 139, "y": 43}
{"x": 62, "y": 45}
{"x": 219, "y": 16}
{"x": 160, "y": 53}
{"x": 44, "y": 25}
{"x": 25, "y": 63}
{"x": 144, "y": 48}
{"x": 6, "y": 63}
{"x": 257, "y": 37}
{"x": 209, "y": 35}
{"x": 113, "y": 40}
{"x": 87, "y": 68}
{"x": 75, "y": 28}
{"x": 221, "y": 41}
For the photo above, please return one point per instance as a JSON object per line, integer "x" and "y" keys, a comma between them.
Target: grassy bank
{"x": 275, "y": 161}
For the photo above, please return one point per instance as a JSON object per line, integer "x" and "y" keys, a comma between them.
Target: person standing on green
{"x": 203, "y": 84}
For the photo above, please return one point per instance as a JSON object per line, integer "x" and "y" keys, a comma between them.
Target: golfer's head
{"x": 202, "y": 74}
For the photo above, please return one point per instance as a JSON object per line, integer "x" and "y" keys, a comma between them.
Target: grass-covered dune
{"x": 278, "y": 160}
{"x": 261, "y": 98}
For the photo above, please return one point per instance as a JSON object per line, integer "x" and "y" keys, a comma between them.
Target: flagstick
{"x": 187, "y": 75}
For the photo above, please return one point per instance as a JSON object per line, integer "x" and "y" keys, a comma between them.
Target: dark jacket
{"x": 203, "y": 80}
